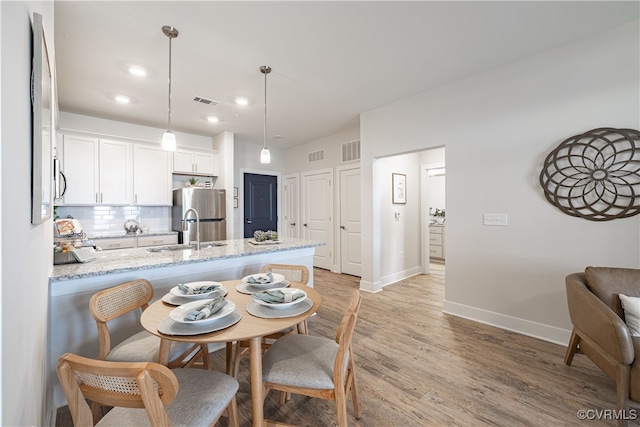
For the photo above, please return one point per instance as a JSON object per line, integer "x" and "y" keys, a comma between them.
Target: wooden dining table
{"x": 249, "y": 328}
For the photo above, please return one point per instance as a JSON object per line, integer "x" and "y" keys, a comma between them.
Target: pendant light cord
{"x": 169, "y": 110}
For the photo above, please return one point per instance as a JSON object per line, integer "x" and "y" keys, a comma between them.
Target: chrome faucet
{"x": 185, "y": 227}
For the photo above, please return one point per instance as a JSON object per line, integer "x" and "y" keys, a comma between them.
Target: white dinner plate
{"x": 281, "y": 305}
{"x": 261, "y": 311}
{"x": 177, "y": 292}
{"x": 277, "y": 278}
{"x": 178, "y": 313}
{"x": 245, "y": 288}
{"x": 169, "y": 327}
{"x": 171, "y": 299}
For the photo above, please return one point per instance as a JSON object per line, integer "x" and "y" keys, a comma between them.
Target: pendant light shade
{"x": 265, "y": 155}
{"x": 169, "y": 139}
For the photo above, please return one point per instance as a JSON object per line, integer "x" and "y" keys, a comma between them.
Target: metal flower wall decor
{"x": 595, "y": 175}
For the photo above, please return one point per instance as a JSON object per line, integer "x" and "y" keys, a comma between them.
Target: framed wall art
{"x": 43, "y": 131}
{"x": 399, "y": 188}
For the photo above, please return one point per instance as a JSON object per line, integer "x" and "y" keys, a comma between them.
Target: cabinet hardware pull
{"x": 100, "y": 197}
{"x": 96, "y": 197}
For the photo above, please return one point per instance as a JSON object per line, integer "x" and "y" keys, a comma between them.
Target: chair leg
{"x": 232, "y": 411}
{"x": 354, "y": 390}
{"x": 204, "y": 350}
{"x": 341, "y": 408}
{"x": 572, "y": 348}
{"x": 229, "y": 358}
{"x": 622, "y": 393}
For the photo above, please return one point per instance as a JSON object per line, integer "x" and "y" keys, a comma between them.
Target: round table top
{"x": 248, "y": 327}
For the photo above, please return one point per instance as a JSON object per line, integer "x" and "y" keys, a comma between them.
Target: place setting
{"x": 261, "y": 281}
{"x": 279, "y": 303}
{"x": 189, "y": 292}
{"x": 206, "y": 309}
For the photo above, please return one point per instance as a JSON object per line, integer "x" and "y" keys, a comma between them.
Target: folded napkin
{"x": 206, "y": 310}
{"x": 276, "y": 296}
{"x": 260, "y": 279}
{"x": 196, "y": 290}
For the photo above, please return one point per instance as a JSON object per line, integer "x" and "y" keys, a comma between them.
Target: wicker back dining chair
{"x": 317, "y": 366}
{"x": 292, "y": 273}
{"x": 145, "y": 393}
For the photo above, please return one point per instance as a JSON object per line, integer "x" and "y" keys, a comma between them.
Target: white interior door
{"x": 317, "y": 203}
{"x": 350, "y": 257}
{"x": 291, "y": 206}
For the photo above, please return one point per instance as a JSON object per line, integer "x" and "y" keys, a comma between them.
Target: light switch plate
{"x": 495, "y": 219}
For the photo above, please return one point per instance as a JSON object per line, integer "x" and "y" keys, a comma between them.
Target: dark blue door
{"x": 260, "y": 203}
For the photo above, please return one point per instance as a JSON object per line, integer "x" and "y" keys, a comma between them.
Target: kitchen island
{"x": 71, "y": 327}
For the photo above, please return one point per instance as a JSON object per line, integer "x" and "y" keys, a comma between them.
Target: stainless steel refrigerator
{"x": 211, "y": 207}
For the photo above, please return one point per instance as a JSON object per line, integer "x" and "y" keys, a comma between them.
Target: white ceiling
{"x": 331, "y": 61}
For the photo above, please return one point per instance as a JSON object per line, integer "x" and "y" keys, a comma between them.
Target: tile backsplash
{"x": 111, "y": 219}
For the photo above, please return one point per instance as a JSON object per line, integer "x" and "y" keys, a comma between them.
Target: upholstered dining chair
{"x": 119, "y": 300}
{"x": 317, "y": 366}
{"x": 145, "y": 393}
{"x": 292, "y": 273}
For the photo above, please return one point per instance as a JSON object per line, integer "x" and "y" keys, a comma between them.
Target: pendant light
{"x": 169, "y": 139}
{"x": 265, "y": 155}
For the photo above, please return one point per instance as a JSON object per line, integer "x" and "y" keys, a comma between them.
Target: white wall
{"x": 297, "y": 158}
{"x": 27, "y": 255}
{"x": 497, "y": 128}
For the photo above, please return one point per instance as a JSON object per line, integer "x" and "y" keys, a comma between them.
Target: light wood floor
{"x": 419, "y": 367}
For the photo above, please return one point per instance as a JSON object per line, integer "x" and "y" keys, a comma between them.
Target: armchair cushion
{"x": 606, "y": 283}
{"x": 631, "y": 306}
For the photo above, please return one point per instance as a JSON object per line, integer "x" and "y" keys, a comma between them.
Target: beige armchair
{"x": 599, "y": 330}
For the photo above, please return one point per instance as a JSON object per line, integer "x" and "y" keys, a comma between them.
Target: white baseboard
{"x": 522, "y": 326}
{"x": 401, "y": 275}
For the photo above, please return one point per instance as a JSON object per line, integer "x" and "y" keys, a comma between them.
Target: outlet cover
{"x": 499, "y": 219}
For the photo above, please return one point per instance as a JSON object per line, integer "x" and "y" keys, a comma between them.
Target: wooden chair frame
{"x": 344, "y": 373}
{"x": 114, "y": 302}
{"x": 242, "y": 347}
{"x": 147, "y": 385}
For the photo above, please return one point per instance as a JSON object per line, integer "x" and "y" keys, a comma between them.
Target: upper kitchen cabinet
{"x": 98, "y": 171}
{"x": 195, "y": 162}
{"x": 152, "y": 176}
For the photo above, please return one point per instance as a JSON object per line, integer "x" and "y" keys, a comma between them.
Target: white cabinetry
{"x": 436, "y": 242}
{"x": 195, "y": 162}
{"x": 97, "y": 171}
{"x": 151, "y": 176}
{"x": 136, "y": 241}
{"x": 157, "y": 240}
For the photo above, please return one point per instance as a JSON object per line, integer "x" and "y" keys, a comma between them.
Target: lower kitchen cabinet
{"x": 136, "y": 241}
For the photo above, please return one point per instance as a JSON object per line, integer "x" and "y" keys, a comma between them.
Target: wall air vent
{"x": 351, "y": 151}
{"x": 206, "y": 101}
{"x": 316, "y": 156}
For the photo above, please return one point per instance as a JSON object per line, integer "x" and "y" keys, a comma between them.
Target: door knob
{"x": 304, "y": 225}
{"x": 293, "y": 224}
{"x": 343, "y": 227}
{"x": 249, "y": 221}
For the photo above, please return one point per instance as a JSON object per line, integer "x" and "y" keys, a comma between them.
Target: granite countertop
{"x": 122, "y": 260}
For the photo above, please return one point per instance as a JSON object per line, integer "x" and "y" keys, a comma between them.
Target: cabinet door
{"x": 151, "y": 176}
{"x": 80, "y": 166}
{"x": 203, "y": 163}
{"x": 115, "y": 173}
{"x": 183, "y": 161}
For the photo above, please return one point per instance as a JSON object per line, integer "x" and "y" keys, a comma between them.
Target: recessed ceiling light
{"x": 213, "y": 119}
{"x": 122, "y": 99}
{"x": 137, "y": 71}
{"x": 241, "y": 100}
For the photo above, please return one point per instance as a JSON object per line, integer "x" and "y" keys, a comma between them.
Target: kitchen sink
{"x": 173, "y": 248}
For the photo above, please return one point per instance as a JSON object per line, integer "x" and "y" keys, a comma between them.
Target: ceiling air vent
{"x": 206, "y": 101}
{"x": 351, "y": 151}
{"x": 316, "y": 156}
